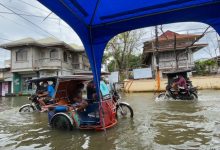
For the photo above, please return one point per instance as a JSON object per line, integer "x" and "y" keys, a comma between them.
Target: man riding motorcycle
{"x": 180, "y": 87}
{"x": 180, "y": 83}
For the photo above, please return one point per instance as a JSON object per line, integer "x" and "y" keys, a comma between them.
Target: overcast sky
{"x": 13, "y": 27}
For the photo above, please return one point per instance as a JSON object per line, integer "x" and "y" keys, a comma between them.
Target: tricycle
{"x": 98, "y": 114}
{"x": 34, "y": 104}
{"x": 175, "y": 91}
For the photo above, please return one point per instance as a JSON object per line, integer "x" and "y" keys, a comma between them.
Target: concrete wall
{"x": 39, "y": 59}
{"x": 210, "y": 82}
{"x": 21, "y": 65}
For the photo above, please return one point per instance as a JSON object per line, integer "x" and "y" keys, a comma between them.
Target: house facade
{"x": 46, "y": 57}
{"x": 5, "y": 81}
{"x": 175, "y": 51}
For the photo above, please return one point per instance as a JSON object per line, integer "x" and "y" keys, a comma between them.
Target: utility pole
{"x": 157, "y": 59}
{"x": 176, "y": 56}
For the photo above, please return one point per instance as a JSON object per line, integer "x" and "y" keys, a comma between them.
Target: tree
{"x": 204, "y": 67}
{"x": 122, "y": 48}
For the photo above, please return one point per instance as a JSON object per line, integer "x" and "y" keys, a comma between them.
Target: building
{"x": 5, "y": 79}
{"x": 32, "y": 58}
{"x": 213, "y": 68}
{"x": 171, "y": 56}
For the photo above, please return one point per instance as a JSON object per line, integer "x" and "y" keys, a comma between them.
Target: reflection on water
{"x": 156, "y": 125}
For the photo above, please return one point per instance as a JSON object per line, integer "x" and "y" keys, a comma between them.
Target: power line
{"x": 25, "y": 13}
{"x": 33, "y": 6}
{"x": 17, "y": 23}
{"x": 47, "y": 16}
{"x": 29, "y": 15}
{"x": 27, "y": 20}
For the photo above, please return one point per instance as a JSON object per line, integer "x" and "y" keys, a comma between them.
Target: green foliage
{"x": 134, "y": 61}
{"x": 204, "y": 67}
{"x": 112, "y": 66}
{"x": 121, "y": 54}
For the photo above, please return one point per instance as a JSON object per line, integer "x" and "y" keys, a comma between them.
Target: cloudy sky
{"x": 14, "y": 27}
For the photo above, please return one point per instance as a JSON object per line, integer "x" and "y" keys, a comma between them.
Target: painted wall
{"x": 16, "y": 83}
{"x": 209, "y": 82}
{"x": 21, "y": 65}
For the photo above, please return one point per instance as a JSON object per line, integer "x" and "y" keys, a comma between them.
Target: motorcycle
{"x": 183, "y": 94}
{"x": 190, "y": 86}
{"x": 33, "y": 106}
{"x": 123, "y": 109}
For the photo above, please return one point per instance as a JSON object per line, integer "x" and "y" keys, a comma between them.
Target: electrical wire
{"x": 34, "y": 6}
{"x": 28, "y": 15}
{"x": 27, "y": 20}
{"x": 25, "y": 13}
{"x": 18, "y": 24}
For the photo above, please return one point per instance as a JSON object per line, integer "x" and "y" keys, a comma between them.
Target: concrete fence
{"x": 149, "y": 85}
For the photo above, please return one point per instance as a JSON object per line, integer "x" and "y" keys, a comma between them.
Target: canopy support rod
{"x": 96, "y": 75}
{"x": 94, "y": 13}
{"x": 72, "y": 12}
{"x": 148, "y": 15}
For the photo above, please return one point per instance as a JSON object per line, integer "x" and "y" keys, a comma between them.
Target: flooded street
{"x": 156, "y": 125}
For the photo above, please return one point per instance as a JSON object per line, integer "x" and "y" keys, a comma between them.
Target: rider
{"x": 182, "y": 82}
{"x": 46, "y": 96}
{"x": 77, "y": 99}
{"x": 91, "y": 91}
{"x": 179, "y": 83}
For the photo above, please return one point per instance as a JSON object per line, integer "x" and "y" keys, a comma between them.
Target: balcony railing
{"x": 47, "y": 62}
{"x": 56, "y": 63}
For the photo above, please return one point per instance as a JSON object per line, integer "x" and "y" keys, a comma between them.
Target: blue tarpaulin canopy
{"x": 97, "y": 21}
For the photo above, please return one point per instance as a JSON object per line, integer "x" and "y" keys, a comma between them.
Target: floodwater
{"x": 156, "y": 125}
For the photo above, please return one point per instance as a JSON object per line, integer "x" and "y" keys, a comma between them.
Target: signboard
{"x": 113, "y": 78}
{"x": 4, "y": 88}
{"x": 142, "y": 73}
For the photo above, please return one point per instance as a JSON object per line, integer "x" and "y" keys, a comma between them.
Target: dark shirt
{"x": 90, "y": 91}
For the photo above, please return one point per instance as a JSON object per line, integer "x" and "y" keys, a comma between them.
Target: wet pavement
{"x": 156, "y": 125}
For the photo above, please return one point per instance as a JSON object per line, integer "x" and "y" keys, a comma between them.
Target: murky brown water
{"x": 156, "y": 125}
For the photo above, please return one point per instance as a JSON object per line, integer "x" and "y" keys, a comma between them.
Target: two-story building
{"x": 32, "y": 58}
{"x": 5, "y": 79}
{"x": 173, "y": 50}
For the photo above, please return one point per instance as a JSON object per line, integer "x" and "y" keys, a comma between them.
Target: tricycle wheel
{"x": 61, "y": 122}
{"x": 124, "y": 110}
{"x": 162, "y": 96}
{"x": 27, "y": 108}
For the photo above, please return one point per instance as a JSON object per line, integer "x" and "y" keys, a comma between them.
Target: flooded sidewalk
{"x": 156, "y": 125}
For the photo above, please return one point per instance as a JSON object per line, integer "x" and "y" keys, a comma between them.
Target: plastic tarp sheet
{"x": 97, "y": 21}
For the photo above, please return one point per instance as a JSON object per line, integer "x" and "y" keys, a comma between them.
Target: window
{"x": 21, "y": 55}
{"x": 53, "y": 54}
{"x": 64, "y": 56}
